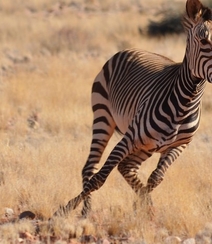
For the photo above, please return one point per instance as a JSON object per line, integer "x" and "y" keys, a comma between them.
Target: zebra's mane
{"x": 206, "y": 14}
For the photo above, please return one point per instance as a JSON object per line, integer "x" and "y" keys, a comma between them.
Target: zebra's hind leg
{"x": 103, "y": 128}
{"x": 97, "y": 148}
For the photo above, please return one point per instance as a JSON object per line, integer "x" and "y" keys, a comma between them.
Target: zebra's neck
{"x": 185, "y": 92}
{"x": 191, "y": 88}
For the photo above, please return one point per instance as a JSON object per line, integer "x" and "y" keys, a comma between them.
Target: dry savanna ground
{"x": 50, "y": 52}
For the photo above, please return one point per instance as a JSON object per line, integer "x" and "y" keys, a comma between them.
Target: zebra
{"x": 153, "y": 102}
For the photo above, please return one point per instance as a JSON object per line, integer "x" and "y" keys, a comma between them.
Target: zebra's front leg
{"x": 129, "y": 169}
{"x": 166, "y": 159}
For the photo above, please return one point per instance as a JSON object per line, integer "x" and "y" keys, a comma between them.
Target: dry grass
{"x": 49, "y": 58}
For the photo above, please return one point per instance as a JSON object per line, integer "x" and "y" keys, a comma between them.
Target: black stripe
{"x": 100, "y": 131}
{"x": 101, "y": 119}
{"x": 106, "y": 72}
{"x": 101, "y": 106}
{"x": 98, "y": 88}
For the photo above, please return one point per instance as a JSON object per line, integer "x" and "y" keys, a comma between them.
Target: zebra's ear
{"x": 194, "y": 9}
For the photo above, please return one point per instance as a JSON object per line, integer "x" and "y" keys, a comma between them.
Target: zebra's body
{"x": 154, "y": 102}
{"x": 158, "y": 87}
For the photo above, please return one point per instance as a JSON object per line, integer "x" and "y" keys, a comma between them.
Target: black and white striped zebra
{"x": 154, "y": 102}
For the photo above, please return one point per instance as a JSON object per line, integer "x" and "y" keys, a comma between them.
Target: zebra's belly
{"x": 155, "y": 141}
{"x": 151, "y": 134}
{"x": 160, "y": 143}
{"x": 163, "y": 144}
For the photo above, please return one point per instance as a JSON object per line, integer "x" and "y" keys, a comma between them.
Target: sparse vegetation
{"x": 50, "y": 53}
{"x": 170, "y": 25}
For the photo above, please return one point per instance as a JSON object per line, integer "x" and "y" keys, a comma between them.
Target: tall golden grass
{"x": 49, "y": 58}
